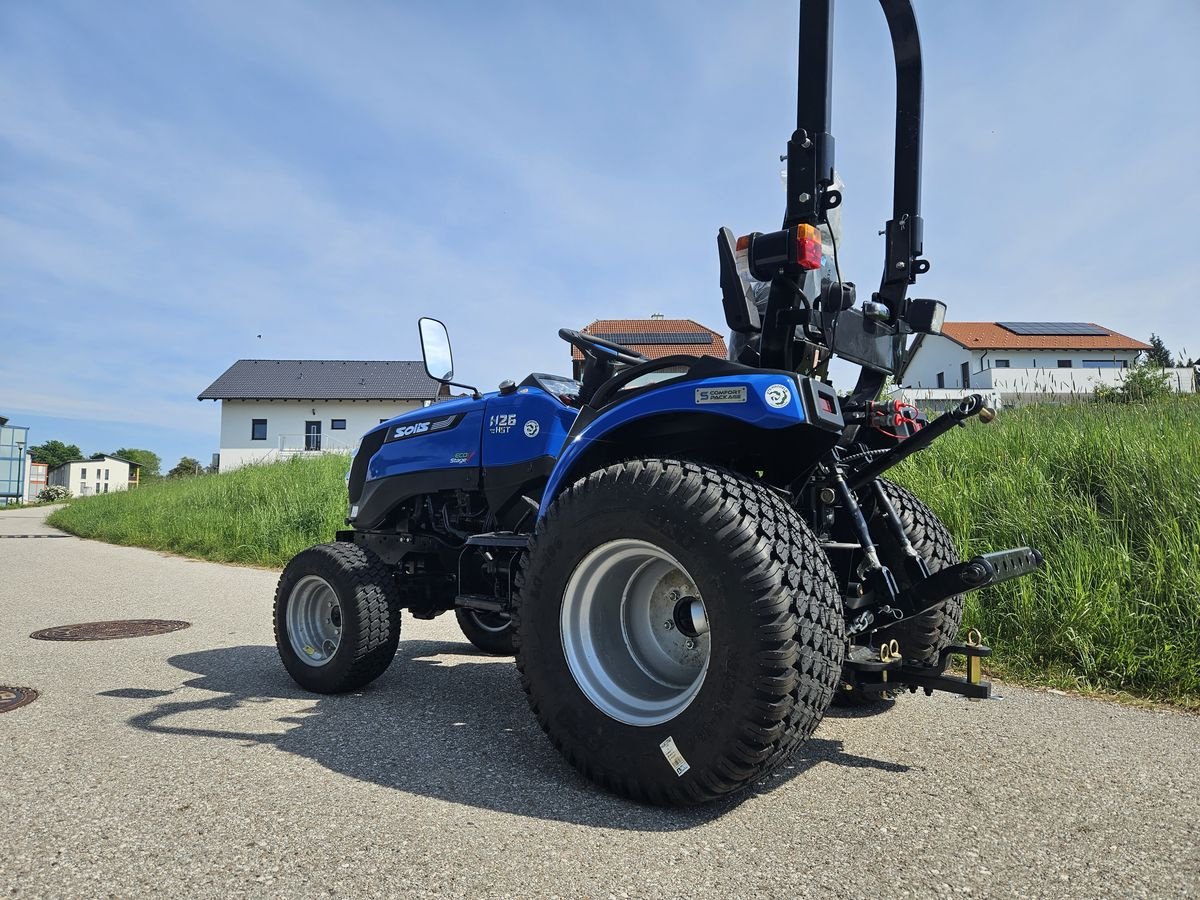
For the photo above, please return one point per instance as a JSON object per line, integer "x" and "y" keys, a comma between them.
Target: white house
{"x": 1022, "y": 360}
{"x": 273, "y": 409}
{"x": 87, "y": 477}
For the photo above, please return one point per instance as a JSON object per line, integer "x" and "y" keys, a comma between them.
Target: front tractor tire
{"x": 337, "y": 618}
{"x": 678, "y": 629}
{"x": 491, "y": 632}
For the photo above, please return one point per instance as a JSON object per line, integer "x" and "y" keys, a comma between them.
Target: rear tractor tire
{"x": 922, "y": 637}
{"x": 337, "y": 618}
{"x": 491, "y": 632}
{"x": 678, "y": 629}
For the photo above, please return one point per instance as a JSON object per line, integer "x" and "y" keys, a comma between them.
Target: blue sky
{"x": 179, "y": 178}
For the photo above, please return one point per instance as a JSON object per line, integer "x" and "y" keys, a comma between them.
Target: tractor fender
{"x": 743, "y": 414}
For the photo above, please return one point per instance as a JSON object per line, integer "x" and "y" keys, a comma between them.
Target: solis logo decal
{"x": 403, "y": 431}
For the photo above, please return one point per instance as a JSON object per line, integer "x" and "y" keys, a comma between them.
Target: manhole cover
{"x": 12, "y": 697}
{"x": 108, "y": 631}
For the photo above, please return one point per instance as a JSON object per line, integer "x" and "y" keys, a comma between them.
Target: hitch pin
{"x": 974, "y": 663}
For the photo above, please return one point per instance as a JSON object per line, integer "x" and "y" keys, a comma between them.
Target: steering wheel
{"x": 599, "y": 349}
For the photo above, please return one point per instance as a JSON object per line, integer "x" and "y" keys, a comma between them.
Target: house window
{"x": 83, "y": 474}
{"x": 1104, "y": 364}
{"x": 106, "y": 474}
{"x": 941, "y": 377}
{"x": 258, "y": 429}
{"x": 337, "y": 424}
{"x": 966, "y": 374}
{"x": 1064, "y": 364}
{"x": 106, "y": 488}
{"x": 1000, "y": 363}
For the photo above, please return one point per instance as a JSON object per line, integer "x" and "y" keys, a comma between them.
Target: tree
{"x": 187, "y": 466}
{"x": 55, "y": 453}
{"x": 97, "y": 456}
{"x": 1158, "y": 354}
{"x": 151, "y": 463}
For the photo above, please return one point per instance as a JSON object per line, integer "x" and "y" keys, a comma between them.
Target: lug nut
{"x": 668, "y": 624}
{"x": 690, "y": 644}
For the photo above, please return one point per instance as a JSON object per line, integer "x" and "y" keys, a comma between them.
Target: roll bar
{"x": 810, "y": 157}
{"x": 811, "y": 148}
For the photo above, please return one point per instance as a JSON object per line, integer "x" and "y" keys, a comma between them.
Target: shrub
{"x": 53, "y": 494}
{"x": 1142, "y": 383}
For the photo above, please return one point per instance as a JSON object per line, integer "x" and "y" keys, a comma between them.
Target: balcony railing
{"x": 312, "y": 443}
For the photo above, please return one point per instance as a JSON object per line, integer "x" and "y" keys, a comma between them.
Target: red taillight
{"x": 808, "y": 247}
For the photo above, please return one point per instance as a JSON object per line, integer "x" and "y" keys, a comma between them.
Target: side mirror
{"x": 435, "y": 348}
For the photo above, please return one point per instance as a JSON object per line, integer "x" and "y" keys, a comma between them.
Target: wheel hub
{"x": 635, "y": 632}
{"x": 314, "y": 620}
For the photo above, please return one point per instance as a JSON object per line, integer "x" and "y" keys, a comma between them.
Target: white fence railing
{"x": 1068, "y": 381}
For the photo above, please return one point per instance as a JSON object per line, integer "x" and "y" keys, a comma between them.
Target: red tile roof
{"x": 709, "y": 342}
{"x": 991, "y": 336}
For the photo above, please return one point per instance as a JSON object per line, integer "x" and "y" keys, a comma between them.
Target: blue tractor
{"x": 690, "y": 558}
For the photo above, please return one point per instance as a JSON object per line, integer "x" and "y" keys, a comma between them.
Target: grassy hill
{"x": 257, "y": 515}
{"x": 1109, "y": 493}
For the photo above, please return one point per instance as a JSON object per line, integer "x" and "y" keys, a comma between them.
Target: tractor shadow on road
{"x": 442, "y": 722}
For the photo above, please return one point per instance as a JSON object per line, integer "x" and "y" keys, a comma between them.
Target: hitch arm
{"x": 977, "y": 572}
{"x": 971, "y": 406}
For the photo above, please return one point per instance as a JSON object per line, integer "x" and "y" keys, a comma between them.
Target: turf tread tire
{"x": 370, "y": 614}
{"x": 792, "y": 599}
{"x": 496, "y": 643}
{"x": 923, "y": 637}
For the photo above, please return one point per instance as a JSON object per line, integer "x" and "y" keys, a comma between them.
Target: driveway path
{"x": 189, "y": 764}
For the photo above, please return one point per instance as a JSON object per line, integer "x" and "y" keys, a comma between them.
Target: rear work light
{"x": 808, "y": 247}
{"x": 767, "y": 254}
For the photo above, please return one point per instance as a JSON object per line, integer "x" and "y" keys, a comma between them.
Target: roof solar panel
{"x": 648, "y": 337}
{"x": 1043, "y": 328}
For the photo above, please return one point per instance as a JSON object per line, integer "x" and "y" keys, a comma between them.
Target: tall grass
{"x": 1109, "y": 493}
{"x": 259, "y": 515}
{"x": 1111, "y": 496}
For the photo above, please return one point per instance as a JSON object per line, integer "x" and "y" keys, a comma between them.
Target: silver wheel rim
{"x": 492, "y": 622}
{"x": 621, "y": 637}
{"x": 314, "y": 620}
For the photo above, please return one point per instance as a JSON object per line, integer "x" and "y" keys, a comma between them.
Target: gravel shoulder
{"x": 189, "y": 764}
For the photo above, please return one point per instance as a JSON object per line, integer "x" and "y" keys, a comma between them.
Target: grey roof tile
{"x": 323, "y": 379}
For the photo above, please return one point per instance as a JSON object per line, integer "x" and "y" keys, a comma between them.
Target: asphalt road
{"x": 188, "y": 764}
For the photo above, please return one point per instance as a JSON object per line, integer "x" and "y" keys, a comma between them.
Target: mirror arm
{"x": 475, "y": 395}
